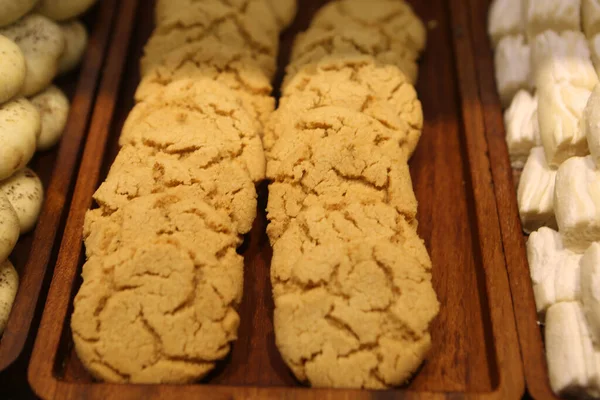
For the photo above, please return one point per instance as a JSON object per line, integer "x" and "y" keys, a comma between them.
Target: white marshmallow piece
{"x": 563, "y": 57}
{"x": 522, "y": 128}
{"x": 590, "y": 289}
{"x": 535, "y": 193}
{"x": 560, "y": 108}
{"x": 577, "y": 202}
{"x": 590, "y": 124}
{"x": 573, "y": 361}
{"x": 554, "y": 15}
{"x": 555, "y": 271}
{"x": 504, "y": 19}
{"x": 511, "y": 61}
{"x": 590, "y": 17}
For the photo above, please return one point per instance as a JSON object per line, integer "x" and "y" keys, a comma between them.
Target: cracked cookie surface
{"x": 197, "y": 116}
{"x": 216, "y": 20}
{"x": 349, "y": 311}
{"x": 209, "y": 59}
{"x": 358, "y": 83}
{"x": 336, "y": 156}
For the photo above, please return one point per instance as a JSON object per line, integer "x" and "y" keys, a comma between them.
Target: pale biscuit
{"x": 12, "y": 10}
{"x": 203, "y": 116}
{"x": 334, "y": 156}
{"x": 62, "y": 10}
{"x": 76, "y": 40}
{"x": 231, "y": 66}
{"x": 349, "y": 40}
{"x": 25, "y": 192}
{"x": 53, "y": 106}
{"x": 159, "y": 305}
{"x": 394, "y": 19}
{"x": 13, "y": 69}
{"x": 212, "y": 19}
{"x": 140, "y": 171}
{"x": 358, "y": 83}
{"x": 352, "y": 312}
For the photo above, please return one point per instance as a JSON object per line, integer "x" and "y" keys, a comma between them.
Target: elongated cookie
{"x": 232, "y": 66}
{"x": 353, "y": 298}
{"x": 158, "y": 300}
{"x": 334, "y": 156}
{"x": 13, "y": 69}
{"x": 203, "y": 116}
{"x": 382, "y": 92}
{"x": 211, "y": 19}
{"x": 394, "y": 19}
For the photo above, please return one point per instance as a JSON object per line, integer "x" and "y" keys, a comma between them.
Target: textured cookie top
{"x": 350, "y": 39}
{"x": 211, "y": 19}
{"x": 197, "y": 116}
{"x": 357, "y": 83}
{"x": 233, "y": 66}
{"x": 350, "y": 311}
{"x": 157, "y": 311}
{"x": 139, "y": 172}
{"x": 394, "y": 19}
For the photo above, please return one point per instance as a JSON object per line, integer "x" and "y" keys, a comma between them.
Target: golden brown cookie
{"x": 353, "y": 299}
{"x": 140, "y": 171}
{"x": 333, "y": 156}
{"x": 197, "y": 116}
{"x": 209, "y": 59}
{"x": 394, "y": 19}
{"x": 349, "y": 40}
{"x": 217, "y": 21}
{"x": 357, "y": 83}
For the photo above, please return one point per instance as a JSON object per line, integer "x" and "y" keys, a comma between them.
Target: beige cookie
{"x": 9, "y": 227}
{"x": 382, "y": 92}
{"x": 349, "y": 40}
{"x": 53, "y": 106}
{"x": 42, "y": 43}
{"x": 353, "y": 304}
{"x": 62, "y": 10}
{"x": 12, "y": 69}
{"x": 159, "y": 305}
{"x": 197, "y": 116}
{"x": 215, "y": 20}
{"x": 76, "y": 40}
{"x": 394, "y": 19}
{"x": 284, "y": 11}
{"x": 12, "y": 10}
{"x": 333, "y": 156}
{"x": 209, "y": 59}
{"x": 9, "y": 284}
{"x": 25, "y": 192}
{"x": 140, "y": 171}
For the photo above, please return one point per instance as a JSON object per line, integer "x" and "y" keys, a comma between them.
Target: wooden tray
{"x": 35, "y": 251}
{"x": 475, "y": 353}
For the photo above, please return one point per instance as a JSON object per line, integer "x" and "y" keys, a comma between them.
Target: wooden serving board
{"x": 475, "y": 354}
{"x": 56, "y": 168}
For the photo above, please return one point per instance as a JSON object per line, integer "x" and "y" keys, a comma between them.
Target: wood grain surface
{"x": 475, "y": 354}
{"x": 37, "y": 250}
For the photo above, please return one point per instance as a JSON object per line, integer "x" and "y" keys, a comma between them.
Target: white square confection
{"x": 577, "y": 202}
{"x": 590, "y": 289}
{"x": 560, "y": 108}
{"x": 573, "y": 361}
{"x": 504, "y": 19}
{"x": 563, "y": 57}
{"x": 522, "y": 128}
{"x": 590, "y": 124}
{"x": 511, "y": 61}
{"x": 553, "y": 15}
{"x": 590, "y": 16}
{"x": 535, "y": 194}
{"x": 555, "y": 271}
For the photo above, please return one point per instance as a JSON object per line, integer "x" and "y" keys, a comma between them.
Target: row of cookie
{"x": 163, "y": 280}
{"x": 351, "y": 278}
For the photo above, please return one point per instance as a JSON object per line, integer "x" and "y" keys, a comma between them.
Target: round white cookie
{"x": 12, "y": 69}
{"x": 76, "y": 40}
{"x": 19, "y": 129}
{"x": 25, "y": 192}
{"x": 12, "y": 10}
{"x": 61, "y": 10}
{"x": 53, "y": 106}
{"x": 9, "y": 227}
{"x": 9, "y": 283}
{"x": 42, "y": 43}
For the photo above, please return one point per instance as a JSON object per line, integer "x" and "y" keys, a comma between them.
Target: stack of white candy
{"x": 545, "y": 71}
